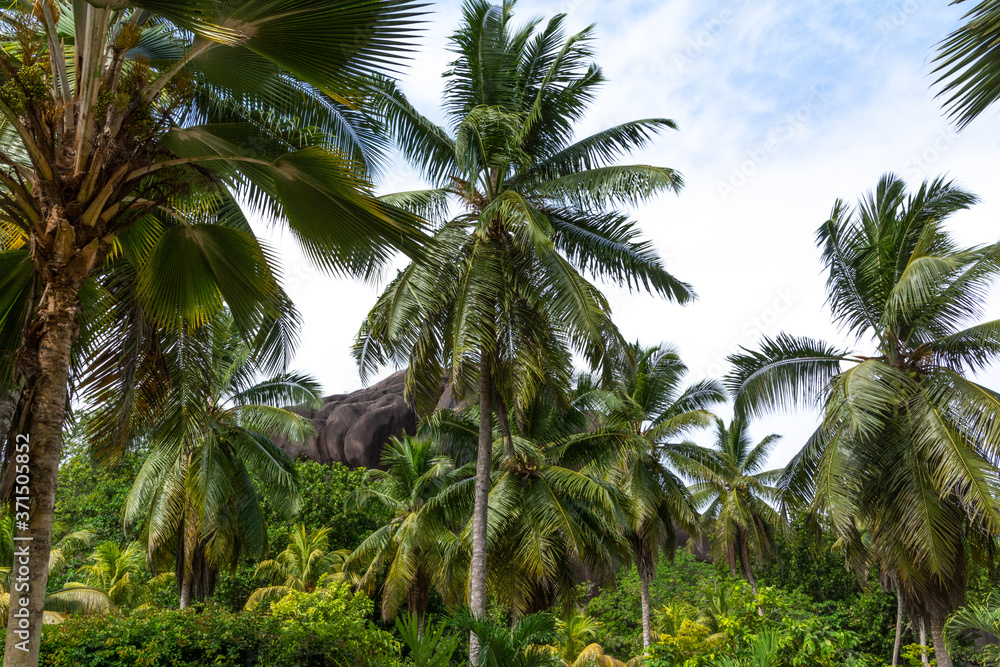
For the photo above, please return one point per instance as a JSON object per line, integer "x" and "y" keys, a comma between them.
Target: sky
{"x": 783, "y": 107}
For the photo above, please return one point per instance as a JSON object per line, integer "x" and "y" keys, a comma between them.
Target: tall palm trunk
{"x": 185, "y": 558}
{"x": 746, "y": 565}
{"x": 44, "y": 359}
{"x": 923, "y": 641}
{"x": 484, "y": 455}
{"x": 899, "y": 630}
{"x": 937, "y": 639}
{"x": 647, "y": 632}
{"x": 417, "y": 598}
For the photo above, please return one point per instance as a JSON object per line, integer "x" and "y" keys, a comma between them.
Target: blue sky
{"x": 783, "y": 106}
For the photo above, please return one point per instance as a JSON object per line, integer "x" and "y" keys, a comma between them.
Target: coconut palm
{"x": 906, "y": 451}
{"x": 195, "y": 495}
{"x": 735, "y": 494}
{"x": 504, "y": 291}
{"x": 968, "y": 65}
{"x": 112, "y": 112}
{"x": 650, "y": 407}
{"x": 302, "y": 566}
{"x": 553, "y": 512}
{"x": 412, "y": 546}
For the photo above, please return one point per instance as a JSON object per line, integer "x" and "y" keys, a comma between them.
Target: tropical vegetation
{"x": 567, "y": 498}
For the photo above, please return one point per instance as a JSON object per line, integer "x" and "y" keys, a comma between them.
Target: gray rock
{"x": 352, "y": 428}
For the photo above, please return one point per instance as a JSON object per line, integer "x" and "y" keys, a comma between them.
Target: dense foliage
{"x": 329, "y": 626}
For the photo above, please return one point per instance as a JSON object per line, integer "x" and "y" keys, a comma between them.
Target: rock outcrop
{"x": 352, "y": 428}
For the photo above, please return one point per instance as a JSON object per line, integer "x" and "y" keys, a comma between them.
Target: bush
{"x": 179, "y": 638}
{"x": 327, "y": 627}
{"x": 324, "y": 488}
{"x": 618, "y": 608}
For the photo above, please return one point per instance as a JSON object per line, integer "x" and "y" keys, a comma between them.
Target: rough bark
{"x": 417, "y": 597}
{"x": 8, "y": 402}
{"x": 484, "y": 454}
{"x": 941, "y": 654}
{"x": 195, "y": 576}
{"x": 46, "y": 357}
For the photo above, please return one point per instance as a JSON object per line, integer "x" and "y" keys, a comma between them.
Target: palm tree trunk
{"x": 187, "y": 544}
{"x": 8, "y": 403}
{"x": 923, "y": 641}
{"x": 418, "y": 596}
{"x": 45, "y": 359}
{"x": 940, "y": 644}
{"x": 647, "y": 631}
{"x": 899, "y": 630}
{"x": 747, "y": 567}
{"x": 484, "y": 454}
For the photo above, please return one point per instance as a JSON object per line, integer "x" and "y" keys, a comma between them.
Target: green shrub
{"x": 323, "y": 489}
{"x": 330, "y": 626}
{"x": 178, "y": 638}
{"x": 327, "y": 627}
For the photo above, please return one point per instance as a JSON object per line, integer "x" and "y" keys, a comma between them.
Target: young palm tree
{"x": 112, "y": 111}
{"x": 736, "y": 494}
{"x": 649, "y": 406}
{"x": 300, "y": 567}
{"x": 116, "y": 571}
{"x": 968, "y": 65}
{"x": 194, "y": 495}
{"x": 574, "y": 633}
{"x": 522, "y": 645}
{"x": 71, "y": 598}
{"x": 907, "y": 447}
{"x": 504, "y": 291}
{"x": 983, "y": 617}
{"x": 411, "y": 491}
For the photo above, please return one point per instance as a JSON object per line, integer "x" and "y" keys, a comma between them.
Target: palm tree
{"x": 114, "y": 110}
{"x": 504, "y": 291}
{"x": 522, "y": 645}
{"x": 553, "y": 512}
{"x": 983, "y": 617}
{"x": 968, "y": 65}
{"x": 736, "y": 494}
{"x": 649, "y": 406}
{"x": 194, "y": 495}
{"x": 411, "y": 491}
{"x": 575, "y": 632}
{"x": 302, "y": 566}
{"x": 429, "y": 647}
{"x": 906, "y": 450}
{"x": 116, "y": 571}
{"x": 72, "y": 597}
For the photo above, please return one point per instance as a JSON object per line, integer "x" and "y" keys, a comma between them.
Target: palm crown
{"x": 908, "y": 443}
{"x": 535, "y": 209}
